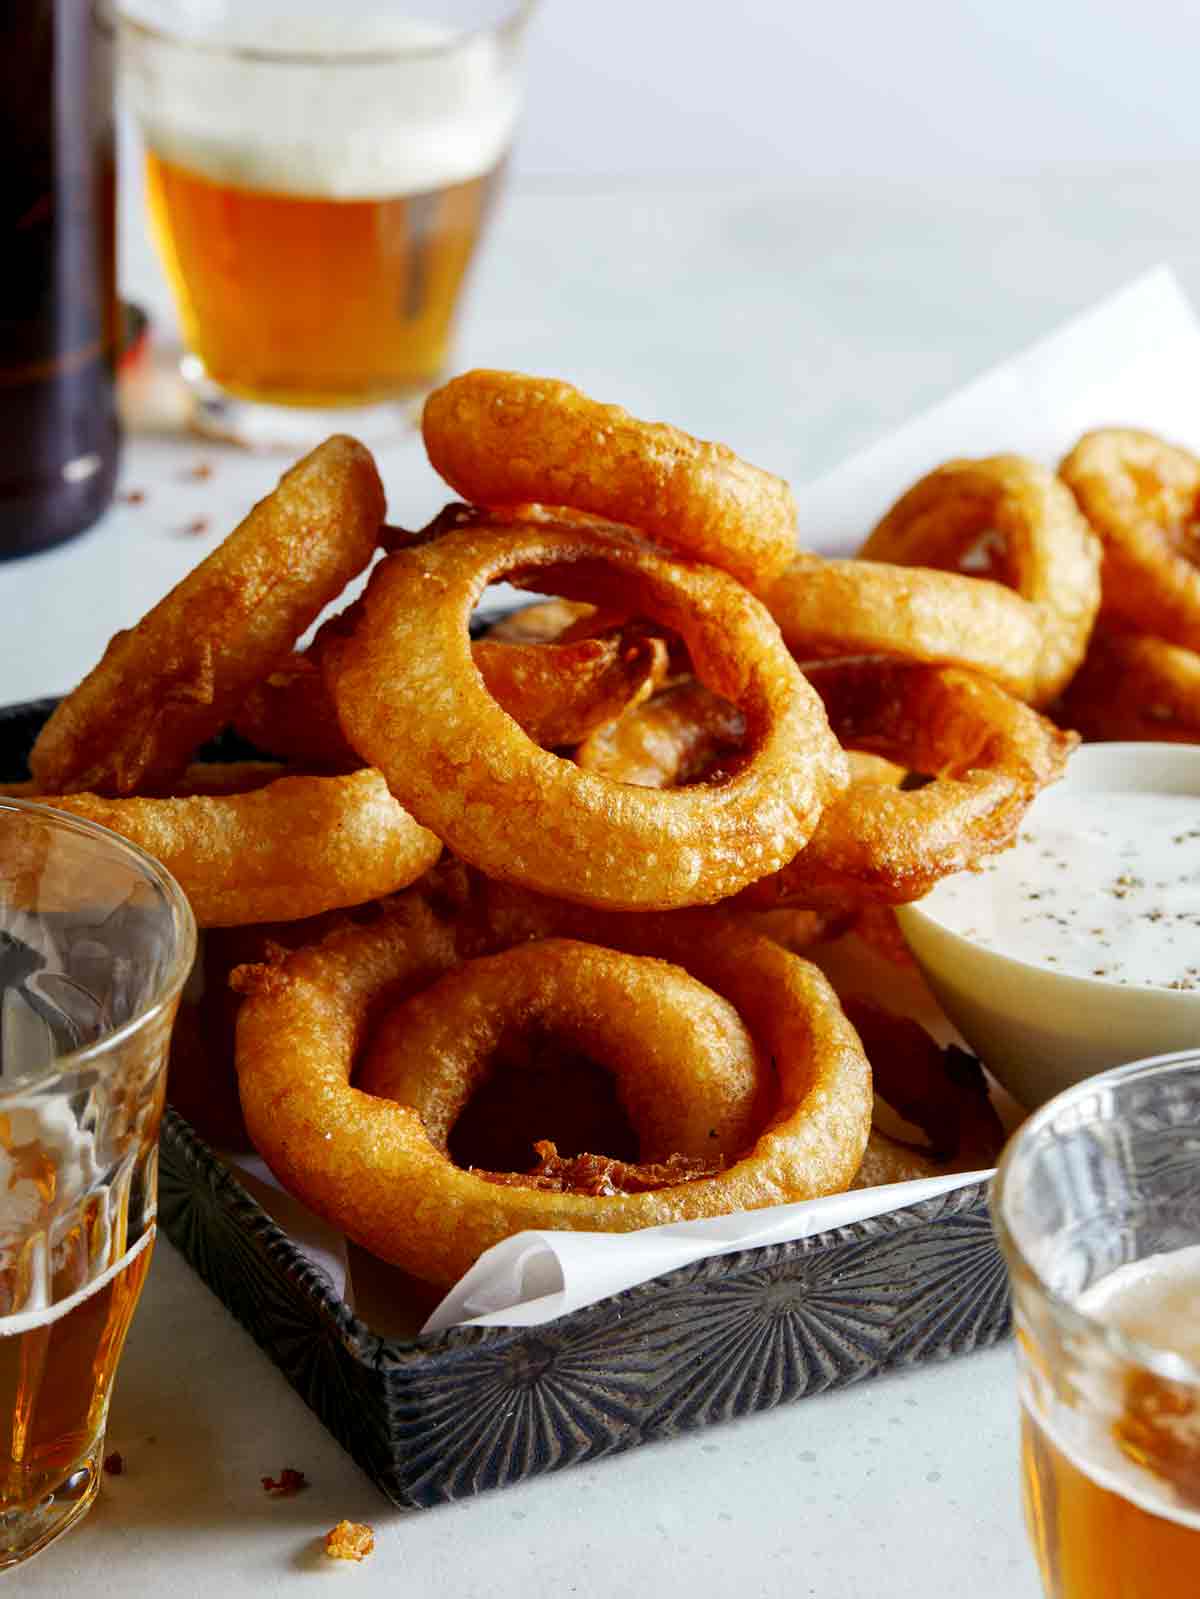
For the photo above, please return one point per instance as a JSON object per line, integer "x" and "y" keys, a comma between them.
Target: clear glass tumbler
{"x": 318, "y": 181}
{"x": 96, "y": 941}
{"x": 1097, "y": 1206}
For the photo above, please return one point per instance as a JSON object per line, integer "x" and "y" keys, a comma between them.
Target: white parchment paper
{"x": 1130, "y": 360}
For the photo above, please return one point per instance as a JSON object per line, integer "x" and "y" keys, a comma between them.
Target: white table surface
{"x": 796, "y": 324}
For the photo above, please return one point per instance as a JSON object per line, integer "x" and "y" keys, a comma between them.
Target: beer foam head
{"x": 1154, "y": 1301}
{"x": 365, "y": 105}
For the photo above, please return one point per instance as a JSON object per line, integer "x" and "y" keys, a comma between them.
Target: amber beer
{"x": 56, "y": 1373}
{"x": 96, "y": 942}
{"x": 295, "y": 299}
{"x": 1111, "y": 1477}
{"x": 1094, "y": 1542}
{"x": 318, "y": 184}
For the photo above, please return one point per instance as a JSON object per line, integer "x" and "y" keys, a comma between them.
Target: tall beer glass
{"x": 319, "y": 177}
{"x": 1097, "y": 1205}
{"x": 95, "y": 944}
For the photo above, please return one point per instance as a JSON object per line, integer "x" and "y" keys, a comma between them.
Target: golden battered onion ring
{"x": 201, "y": 1071}
{"x": 685, "y": 734}
{"x": 1010, "y": 517}
{"x": 277, "y": 853}
{"x": 687, "y": 1073}
{"x": 411, "y": 701}
{"x": 1142, "y": 496}
{"x": 941, "y": 1091}
{"x": 503, "y": 439}
{"x": 841, "y": 608}
{"x": 676, "y": 737}
{"x": 556, "y": 692}
{"x": 988, "y": 756}
{"x": 878, "y": 928}
{"x": 176, "y": 678}
{"x": 1134, "y": 687}
{"x": 368, "y": 1165}
{"x": 541, "y": 623}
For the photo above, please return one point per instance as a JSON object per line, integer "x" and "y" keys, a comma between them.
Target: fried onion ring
{"x": 503, "y": 439}
{"x": 410, "y": 702}
{"x": 988, "y": 756}
{"x": 678, "y": 736}
{"x": 275, "y": 853}
{"x": 1134, "y": 687}
{"x": 541, "y": 623}
{"x": 178, "y": 676}
{"x": 368, "y": 1165}
{"x": 1007, "y": 518}
{"x": 687, "y": 1073}
{"x": 941, "y": 1091}
{"x": 685, "y": 734}
{"x": 841, "y": 608}
{"x": 558, "y": 693}
{"x": 1142, "y": 496}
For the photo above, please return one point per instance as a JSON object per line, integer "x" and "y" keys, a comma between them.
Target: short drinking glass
{"x": 96, "y": 941}
{"x": 1097, "y": 1206}
{"x": 318, "y": 179}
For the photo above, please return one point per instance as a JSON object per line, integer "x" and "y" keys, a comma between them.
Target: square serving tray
{"x": 440, "y": 1418}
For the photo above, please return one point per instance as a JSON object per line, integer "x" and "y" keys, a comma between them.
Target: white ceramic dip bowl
{"x": 1038, "y": 1029}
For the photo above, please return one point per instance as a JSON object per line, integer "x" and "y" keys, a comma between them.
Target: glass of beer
{"x": 1097, "y": 1206}
{"x": 319, "y": 178}
{"x": 96, "y": 941}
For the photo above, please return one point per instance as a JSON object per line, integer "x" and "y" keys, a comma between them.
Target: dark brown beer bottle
{"x": 58, "y": 308}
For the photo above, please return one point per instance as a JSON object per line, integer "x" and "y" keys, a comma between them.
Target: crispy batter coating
{"x": 1132, "y": 686}
{"x": 1008, "y": 518}
{"x": 504, "y": 439}
{"x": 987, "y": 754}
{"x": 295, "y": 847}
{"x": 542, "y": 622}
{"x": 368, "y": 1164}
{"x": 556, "y": 692}
{"x": 175, "y": 679}
{"x": 840, "y": 608}
{"x": 286, "y": 1485}
{"x": 1142, "y": 496}
{"x": 410, "y": 702}
{"x": 601, "y": 1176}
{"x": 678, "y": 736}
{"x": 687, "y": 1073}
{"x": 350, "y": 1540}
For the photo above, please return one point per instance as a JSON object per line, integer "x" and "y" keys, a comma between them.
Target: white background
{"x": 829, "y": 87}
{"x": 884, "y": 255}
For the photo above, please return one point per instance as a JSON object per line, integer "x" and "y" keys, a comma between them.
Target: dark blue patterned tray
{"x": 440, "y": 1418}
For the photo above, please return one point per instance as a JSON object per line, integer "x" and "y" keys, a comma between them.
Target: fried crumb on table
{"x": 349, "y": 1540}
{"x": 289, "y": 1482}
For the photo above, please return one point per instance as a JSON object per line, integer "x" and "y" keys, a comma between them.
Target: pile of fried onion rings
{"x": 599, "y": 841}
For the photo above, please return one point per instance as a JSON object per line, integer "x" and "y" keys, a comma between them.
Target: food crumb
{"x": 198, "y": 525}
{"x": 114, "y": 1463}
{"x": 289, "y": 1482}
{"x": 133, "y": 497}
{"x": 349, "y": 1540}
{"x": 198, "y": 473}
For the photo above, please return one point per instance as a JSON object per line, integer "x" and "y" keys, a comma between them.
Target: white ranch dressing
{"x": 1100, "y": 885}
